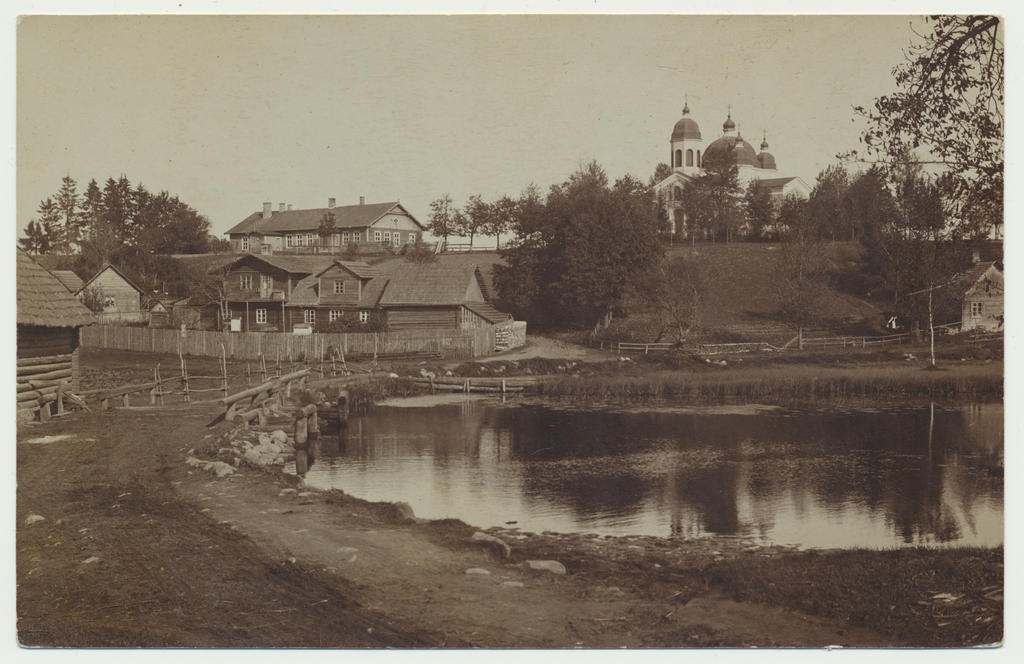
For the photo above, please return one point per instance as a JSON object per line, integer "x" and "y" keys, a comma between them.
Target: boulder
{"x": 495, "y": 544}
{"x": 552, "y": 566}
{"x": 34, "y": 518}
{"x": 279, "y": 437}
{"x": 478, "y": 570}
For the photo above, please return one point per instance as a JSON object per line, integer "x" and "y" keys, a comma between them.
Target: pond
{"x": 881, "y": 478}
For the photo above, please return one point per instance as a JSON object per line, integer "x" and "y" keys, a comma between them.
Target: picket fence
{"x": 449, "y": 344}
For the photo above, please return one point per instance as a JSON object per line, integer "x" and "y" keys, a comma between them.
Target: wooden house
{"x": 117, "y": 300}
{"x": 438, "y": 296}
{"x": 282, "y": 293}
{"x": 983, "y": 300}
{"x": 49, "y": 318}
{"x": 289, "y": 293}
{"x": 298, "y": 231}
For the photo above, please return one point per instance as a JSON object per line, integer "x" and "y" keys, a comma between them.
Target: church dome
{"x": 731, "y": 150}
{"x": 766, "y": 160}
{"x": 728, "y": 125}
{"x": 686, "y": 128}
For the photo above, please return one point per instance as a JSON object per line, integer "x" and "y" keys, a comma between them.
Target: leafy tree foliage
{"x": 577, "y": 251}
{"x": 712, "y": 201}
{"x": 326, "y": 228}
{"x": 476, "y": 217}
{"x": 442, "y": 219}
{"x": 801, "y": 270}
{"x": 759, "y": 211}
{"x": 675, "y": 291}
{"x": 948, "y": 106}
{"x": 829, "y": 204}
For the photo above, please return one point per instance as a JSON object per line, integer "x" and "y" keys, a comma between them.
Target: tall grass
{"x": 704, "y": 388}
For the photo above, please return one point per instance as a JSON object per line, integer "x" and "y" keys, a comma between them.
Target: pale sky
{"x": 228, "y": 112}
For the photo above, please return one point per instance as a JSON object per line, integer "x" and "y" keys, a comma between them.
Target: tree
{"x": 576, "y": 252}
{"x": 441, "y": 220}
{"x": 675, "y": 290}
{"x": 67, "y": 201}
{"x": 949, "y": 103}
{"x": 503, "y": 211}
{"x": 711, "y": 201}
{"x": 476, "y": 217}
{"x": 36, "y": 241}
{"x": 325, "y": 230}
{"x": 759, "y": 210}
{"x": 829, "y": 206}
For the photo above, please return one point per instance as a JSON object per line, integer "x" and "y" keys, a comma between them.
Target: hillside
{"x": 743, "y": 302}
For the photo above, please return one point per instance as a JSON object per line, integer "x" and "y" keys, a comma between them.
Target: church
{"x": 689, "y": 152}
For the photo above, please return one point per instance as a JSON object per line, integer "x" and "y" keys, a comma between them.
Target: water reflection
{"x": 879, "y": 479}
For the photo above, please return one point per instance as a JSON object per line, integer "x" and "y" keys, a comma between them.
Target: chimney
{"x": 362, "y": 200}
{"x": 330, "y": 203}
{"x": 267, "y": 206}
{"x": 280, "y": 207}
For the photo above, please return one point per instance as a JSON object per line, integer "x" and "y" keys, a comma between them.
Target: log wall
{"x": 47, "y": 367}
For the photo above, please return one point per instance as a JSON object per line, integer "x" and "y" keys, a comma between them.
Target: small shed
{"x": 49, "y": 319}
{"x": 116, "y": 299}
{"x": 983, "y": 301}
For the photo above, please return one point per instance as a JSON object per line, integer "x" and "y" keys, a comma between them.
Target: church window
{"x": 689, "y": 157}
{"x": 698, "y": 158}
{"x": 679, "y": 158}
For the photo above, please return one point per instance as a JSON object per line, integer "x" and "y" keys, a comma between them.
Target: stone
{"x": 348, "y": 553}
{"x": 498, "y": 545}
{"x": 34, "y": 518}
{"x": 263, "y": 438}
{"x": 90, "y": 560}
{"x": 220, "y": 469}
{"x": 512, "y": 584}
{"x": 279, "y": 437}
{"x": 552, "y": 566}
{"x": 478, "y": 570}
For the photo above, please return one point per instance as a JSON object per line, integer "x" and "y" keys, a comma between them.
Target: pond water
{"x": 887, "y": 478}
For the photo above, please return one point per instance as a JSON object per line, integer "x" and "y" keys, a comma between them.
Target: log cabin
{"x": 49, "y": 319}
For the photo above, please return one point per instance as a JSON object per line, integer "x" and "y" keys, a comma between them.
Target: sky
{"x": 230, "y": 111}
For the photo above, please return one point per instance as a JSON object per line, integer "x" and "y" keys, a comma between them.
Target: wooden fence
{"x": 448, "y": 344}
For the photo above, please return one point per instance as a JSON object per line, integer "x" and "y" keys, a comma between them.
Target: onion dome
{"x": 765, "y": 159}
{"x": 728, "y": 125}
{"x": 686, "y": 128}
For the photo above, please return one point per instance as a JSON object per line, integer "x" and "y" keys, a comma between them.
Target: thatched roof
{"x": 43, "y": 300}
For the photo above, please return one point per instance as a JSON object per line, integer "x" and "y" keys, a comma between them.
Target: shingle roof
{"x": 305, "y": 291}
{"x": 487, "y": 311}
{"x": 430, "y": 284}
{"x": 43, "y": 300}
{"x": 70, "y": 280}
{"x": 345, "y": 216}
{"x": 297, "y": 264}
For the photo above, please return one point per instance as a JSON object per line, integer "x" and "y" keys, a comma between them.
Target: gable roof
{"x": 70, "y": 280}
{"x": 119, "y": 273}
{"x": 983, "y": 279}
{"x": 345, "y": 216}
{"x": 488, "y": 312}
{"x": 436, "y": 284}
{"x": 43, "y": 300}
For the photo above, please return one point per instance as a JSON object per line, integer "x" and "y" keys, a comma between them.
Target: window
{"x": 411, "y": 238}
{"x": 261, "y": 316}
{"x": 364, "y": 316}
{"x": 109, "y": 302}
{"x": 289, "y": 241}
{"x": 245, "y": 243}
{"x": 334, "y": 315}
{"x": 679, "y": 158}
{"x": 698, "y": 158}
{"x": 266, "y": 283}
{"x": 309, "y": 315}
{"x": 975, "y": 308}
{"x": 344, "y": 237}
{"x": 387, "y": 237}
{"x": 309, "y": 239}
{"x": 397, "y": 239}
{"x": 339, "y": 287}
{"x": 245, "y": 281}
{"x": 376, "y": 236}
{"x": 689, "y": 157}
